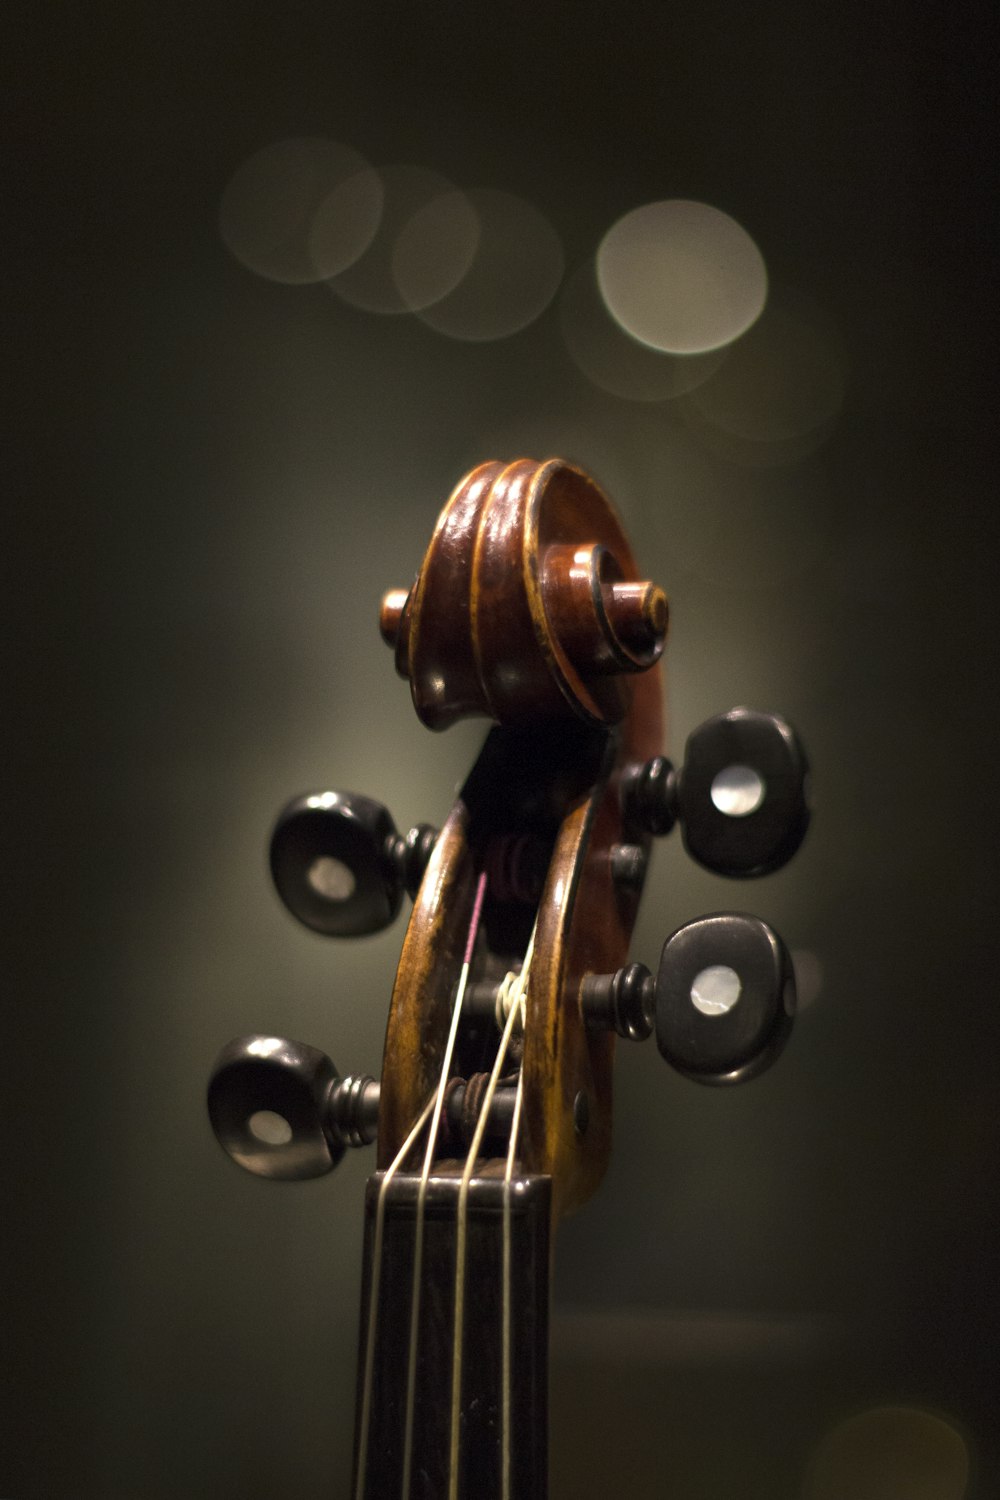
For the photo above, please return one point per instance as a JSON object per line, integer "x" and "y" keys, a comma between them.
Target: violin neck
{"x": 495, "y": 1298}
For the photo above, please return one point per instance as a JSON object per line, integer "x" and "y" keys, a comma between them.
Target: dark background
{"x": 212, "y": 479}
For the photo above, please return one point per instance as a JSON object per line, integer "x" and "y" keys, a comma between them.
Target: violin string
{"x": 505, "y": 1370}
{"x": 518, "y": 987}
{"x": 418, "y": 1248}
{"x": 366, "y": 1388}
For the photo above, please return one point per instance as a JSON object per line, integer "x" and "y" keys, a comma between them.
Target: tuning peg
{"x": 341, "y": 867}
{"x": 722, "y": 1001}
{"x": 279, "y": 1109}
{"x": 741, "y": 796}
{"x": 725, "y": 998}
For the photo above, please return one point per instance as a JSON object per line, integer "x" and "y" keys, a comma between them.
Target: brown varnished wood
{"x": 514, "y": 684}
{"x": 434, "y": 647}
{"x": 527, "y": 609}
{"x": 428, "y": 970}
{"x": 500, "y": 623}
{"x": 477, "y": 633}
{"x": 585, "y": 925}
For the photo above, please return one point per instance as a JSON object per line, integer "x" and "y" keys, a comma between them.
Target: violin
{"x": 492, "y": 1115}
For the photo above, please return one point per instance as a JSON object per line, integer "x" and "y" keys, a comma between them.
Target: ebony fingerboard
{"x": 481, "y": 1427}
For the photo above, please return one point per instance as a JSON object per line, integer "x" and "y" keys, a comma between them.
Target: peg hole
{"x": 715, "y": 990}
{"x": 269, "y": 1128}
{"x": 738, "y": 791}
{"x": 331, "y": 879}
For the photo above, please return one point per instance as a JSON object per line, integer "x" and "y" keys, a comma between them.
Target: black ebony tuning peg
{"x": 279, "y": 1109}
{"x": 725, "y": 998}
{"x": 741, "y": 796}
{"x": 722, "y": 1001}
{"x": 340, "y": 866}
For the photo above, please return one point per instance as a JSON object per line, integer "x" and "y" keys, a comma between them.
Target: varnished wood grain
{"x": 513, "y": 617}
{"x": 497, "y": 622}
{"x": 511, "y": 516}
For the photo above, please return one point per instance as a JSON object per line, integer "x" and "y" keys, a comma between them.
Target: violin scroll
{"x": 529, "y": 608}
{"x": 528, "y": 605}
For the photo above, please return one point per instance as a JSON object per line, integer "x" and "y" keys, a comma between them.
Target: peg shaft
{"x": 623, "y": 1002}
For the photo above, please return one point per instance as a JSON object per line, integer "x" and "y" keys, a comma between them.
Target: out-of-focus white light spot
{"x": 890, "y": 1453}
{"x": 267, "y": 1126}
{"x": 371, "y": 282}
{"x": 514, "y": 273}
{"x": 615, "y": 361}
{"x": 435, "y": 249}
{"x": 737, "y": 791}
{"x": 808, "y": 976}
{"x": 715, "y": 990}
{"x": 331, "y": 878}
{"x": 345, "y": 222}
{"x": 779, "y": 392}
{"x": 681, "y": 276}
{"x": 301, "y": 210}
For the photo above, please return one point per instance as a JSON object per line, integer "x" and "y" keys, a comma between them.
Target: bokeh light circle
{"x": 681, "y": 276}
{"x": 371, "y": 282}
{"x": 301, "y": 210}
{"x": 435, "y": 250}
{"x": 614, "y": 361}
{"x": 514, "y": 272}
{"x": 891, "y": 1453}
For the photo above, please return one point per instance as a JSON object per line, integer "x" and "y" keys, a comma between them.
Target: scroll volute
{"x": 529, "y": 609}
{"x": 527, "y": 606}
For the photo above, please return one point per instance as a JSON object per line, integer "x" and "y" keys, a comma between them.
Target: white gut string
{"x": 516, "y": 986}
{"x": 418, "y": 1249}
{"x": 505, "y": 1371}
{"x": 366, "y": 1389}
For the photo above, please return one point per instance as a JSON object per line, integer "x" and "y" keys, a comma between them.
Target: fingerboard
{"x": 483, "y": 1432}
